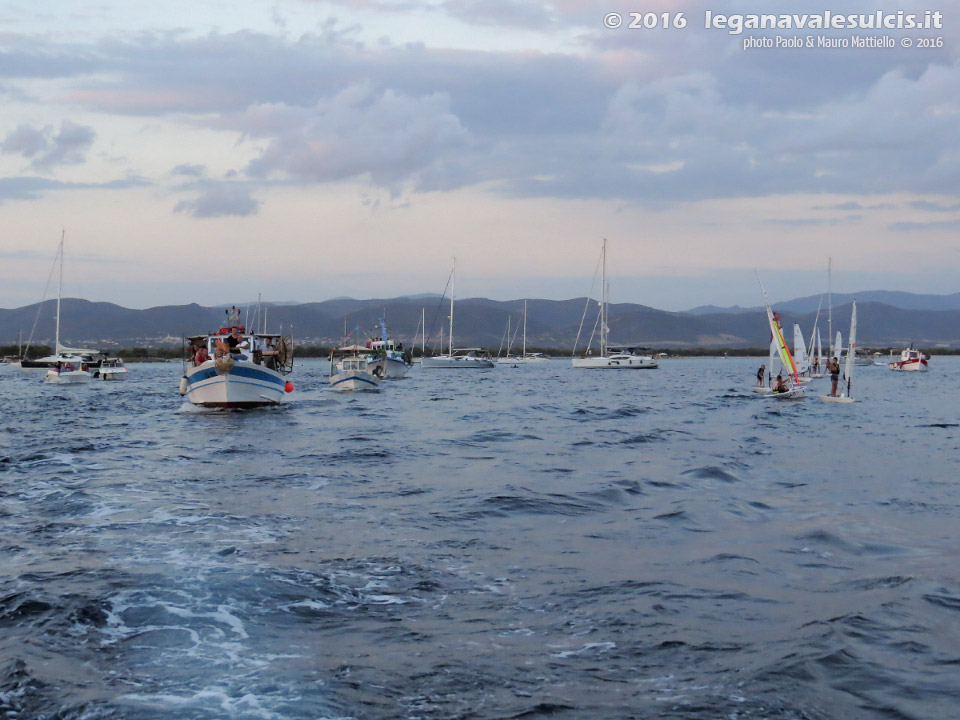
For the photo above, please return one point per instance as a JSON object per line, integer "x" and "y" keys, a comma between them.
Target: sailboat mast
{"x": 56, "y": 347}
{"x": 423, "y": 332}
{"x": 603, "y": 302}
{"x": 851, "y": 347}
{"x": 524, "y": 328}
{"x": 453, "y": 286}
{"x": 830, "y": 304}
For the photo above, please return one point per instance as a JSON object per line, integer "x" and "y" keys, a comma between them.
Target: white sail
{"x": 849, "y": 365}
{"x": 800, "y": 351}
{"x": 837, "y": 350}
{"x": 851, "y": 348}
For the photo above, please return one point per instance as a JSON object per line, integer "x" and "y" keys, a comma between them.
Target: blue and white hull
{"x": 394, "y": 367}
{"x": 242, "y": 385}
{"x": 354, "y": 381}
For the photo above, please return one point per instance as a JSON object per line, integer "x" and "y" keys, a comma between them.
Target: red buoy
{"x": 288, "y": 387}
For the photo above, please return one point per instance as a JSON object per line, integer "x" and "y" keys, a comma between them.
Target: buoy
{"x": 288, "y": 387}
{"x": 183, "y": 385}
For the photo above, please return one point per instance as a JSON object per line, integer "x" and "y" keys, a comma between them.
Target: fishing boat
{"x": 609, "y": 357}
{"x": 394, "y": 362}
{"x": 846, "y": 397}
{"x": 796, "y": 391}
{"x": 456, "y": 358}
{"x": 69, "y": 368}
{"x": 234, "y": 368}
{"x": 353, "y": 370}
{"x": 910, "y": 361}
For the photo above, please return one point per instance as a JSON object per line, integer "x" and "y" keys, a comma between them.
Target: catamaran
{"x": 610, "y": 357}
{"x": 850, "y": 363}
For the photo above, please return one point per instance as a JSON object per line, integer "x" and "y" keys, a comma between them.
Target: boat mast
{"x": 56, "y": 348}
{"x": 453, "y": 285}
{"x": 524, "y": 328}
{"x": 830, "y": 305}
{"x": 603, "y": 302}
{"x": 423, "y": 332}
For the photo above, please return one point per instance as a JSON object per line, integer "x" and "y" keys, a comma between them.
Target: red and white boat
{"x": 910, "y": 361}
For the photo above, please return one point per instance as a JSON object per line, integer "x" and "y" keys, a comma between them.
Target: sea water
{"x": 511, "y": 543}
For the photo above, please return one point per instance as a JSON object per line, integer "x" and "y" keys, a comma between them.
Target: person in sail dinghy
{"x": 834, "y": 367}
{"x": 780, "y": 386}
{"x": 760, "y": 374}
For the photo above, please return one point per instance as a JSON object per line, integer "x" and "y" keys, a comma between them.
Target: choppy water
{"x": 515, "y": 543}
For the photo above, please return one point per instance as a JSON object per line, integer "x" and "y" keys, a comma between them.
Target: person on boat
{"x": 268, "y": 353}
{"x": 760, "y": 373}
{"x": 239, "y": 345}
{"x": 816, "y": 365}
{"x": 834, "y": 367}
{"x": 201, "y": 356}
{"x": 780, "y": 386}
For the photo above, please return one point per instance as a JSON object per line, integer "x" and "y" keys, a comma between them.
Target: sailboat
{"x": 70, "y": 368}
{"x": 459, "y": 358}
{"x": 796, "y": 392}
{"x": 610, "y": 357}
{"x": 850, "y": 364}
{"x": 800, "y": 355}
{"x": 524, "y": 358}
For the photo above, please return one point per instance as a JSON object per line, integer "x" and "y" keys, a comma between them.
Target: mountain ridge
{"x": 483, "y": 322}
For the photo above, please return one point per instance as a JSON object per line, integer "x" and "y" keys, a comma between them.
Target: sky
{"x": 300, "y": 150}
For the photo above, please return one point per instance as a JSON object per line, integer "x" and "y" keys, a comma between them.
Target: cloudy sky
{"x": 305, "y": 149}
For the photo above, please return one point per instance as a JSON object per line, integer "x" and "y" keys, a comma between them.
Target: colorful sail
{"x": 777, "y": 332}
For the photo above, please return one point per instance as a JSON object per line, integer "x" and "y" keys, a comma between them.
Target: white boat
{"x": 69, "y": 368}
{"x": 352, "y": 370}
{"x": 110, "y": 369}
{"x": 240, "y": 377}
{"x": 524, "y": 358}
{"x": 616, "y": 359}
{"x": 388, "y": 356}
{"x": 910, "y": 361}
{"x": 456, "y": 358}
{"x": 846, "y": 397}
{"x": 796, "y": 391}
{"x": 609, "y": 358}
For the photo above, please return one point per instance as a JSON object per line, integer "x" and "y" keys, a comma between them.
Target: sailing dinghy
{"x": 848, "y": 367}
{"x": 796, "y": 392}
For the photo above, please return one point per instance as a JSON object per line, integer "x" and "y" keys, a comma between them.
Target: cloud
{"x": 47, "y": 148}
{"x": 190, "y": 170}
{"x": 34, "y": 188}
{"x": 930, "y": 206}
{"x": 501, "y": 13}
{"x": 923, "y": 226}
{"x": 678, "y": 117}
{"x": 220, "y": 201}
{"x": 386, "y": 135}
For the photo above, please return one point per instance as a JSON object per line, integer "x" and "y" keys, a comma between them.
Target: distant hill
{"x": 893, "y": 298}
{"x": 483, "y": 322}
